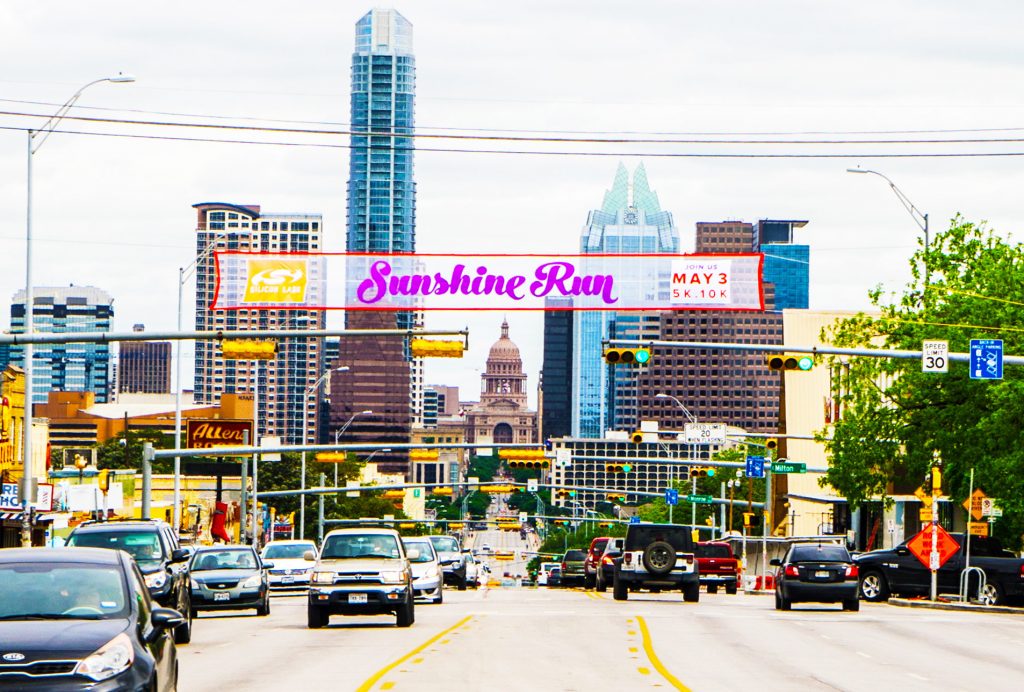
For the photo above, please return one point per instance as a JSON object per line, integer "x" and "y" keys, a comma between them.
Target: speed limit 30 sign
{"x": 935, "y": 356}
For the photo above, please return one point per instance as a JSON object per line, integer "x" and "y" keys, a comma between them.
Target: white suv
{"x": 657, "y": 556}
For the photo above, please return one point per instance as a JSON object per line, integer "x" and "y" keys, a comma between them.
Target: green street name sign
{"x": 788, "y": 467}
{"x": 700, "y": 499}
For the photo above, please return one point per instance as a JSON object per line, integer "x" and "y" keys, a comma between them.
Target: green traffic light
{"x": 805, "y": 363}
{"x": 626, "y": 468}
{"x": 642, "y": 356}
{"x": 711, "y": 472}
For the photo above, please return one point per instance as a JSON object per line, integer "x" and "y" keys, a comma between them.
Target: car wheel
{"x": 406, "y": 614}
{"x": 731, "y": 589}
{"x": 440, "y": 596}
{"x": 659, "y": 557}
{"x": 712, "y": 588}
{"x": 778, "y": 601}
{"x": 691, "y": 592}
{"x": 264, "y": 608}
{"x": 852, "y": 604}
{"x": 619, "y": 590}
{"x": 782, "y": 603}
{"x": 183, "y": 632}
{"x": 991, "y": 594}
{"x": 316, "y": 617}
{"x": 600, "y": 585}
{"x": 462, "y": 584}
{"x": 873, "y": 587}
{"x": 589, "y": 582}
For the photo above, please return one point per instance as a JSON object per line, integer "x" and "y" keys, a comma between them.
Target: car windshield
{"x": 426, "y": 552}
{"x": 598, "y": 546}
{"x": 144, "y": 546}
{"x": 223, "y": 559}
{"x": 443, "y": 544}
{"x": 713, "y": 551}
{"x": 290, "y": 551}
{"x": 819, "y": 553}
{"x": 356, "y": 546}
{"x": 30, "y": 591}
{"x": 575, "y": 556}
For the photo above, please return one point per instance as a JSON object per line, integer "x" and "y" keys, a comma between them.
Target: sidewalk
{"x": 953, "y": 605}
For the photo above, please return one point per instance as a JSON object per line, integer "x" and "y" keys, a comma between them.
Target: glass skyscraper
{"x": 630, "y": 221}
{"x": 786, "y": 264}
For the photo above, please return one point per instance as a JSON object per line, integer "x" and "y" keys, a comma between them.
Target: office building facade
{"x": 556, "y": 372}
{"x": 72, "y": 367}
{"x": 144, "y": 367}
{"x": 281, "y": 385}
{"x": 630, "y": 221}
{"x": 786, "y": 263}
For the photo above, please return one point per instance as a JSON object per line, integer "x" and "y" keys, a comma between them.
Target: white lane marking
{"x": 918, "y": 677}
{"x": 861, "y": 653}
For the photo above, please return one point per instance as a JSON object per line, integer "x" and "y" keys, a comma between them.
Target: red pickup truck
{"x": 717, "y": 566}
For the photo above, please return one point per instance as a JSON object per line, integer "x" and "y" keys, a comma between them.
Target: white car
{"x": 544, "y": 570}
{"x": 427, "y": 579}
{"x": 474, "y": 571}
{"x": 291, "y": 568}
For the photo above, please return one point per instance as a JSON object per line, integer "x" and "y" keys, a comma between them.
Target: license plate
{"x": 287, "y": 580}
{"x": 357, "y": 598}
{"x": 222, "y": 596}
{"x": 822, "y": 573}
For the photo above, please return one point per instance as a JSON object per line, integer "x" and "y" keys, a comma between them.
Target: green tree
{"x": 896, "y": 418}
{"x": 116, "y": 454}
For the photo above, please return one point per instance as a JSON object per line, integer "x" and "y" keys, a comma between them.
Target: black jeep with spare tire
{"x": 657, "y": 557}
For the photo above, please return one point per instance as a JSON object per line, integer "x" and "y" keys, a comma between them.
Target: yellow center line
{"x": 372, "y": 680}
{"x": 653, "y": 658}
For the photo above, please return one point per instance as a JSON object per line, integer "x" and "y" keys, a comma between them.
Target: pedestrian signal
{"x": 627, "y": 356}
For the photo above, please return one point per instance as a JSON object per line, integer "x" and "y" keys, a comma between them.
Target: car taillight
{"x": 792, "y": 571}
{"x": 628, "y": 558}
{"x": 607, "y": 560}
{"x": 1022, "y": 571}
{"x": 563, "y": 567}
{"x": 852, "y": 572}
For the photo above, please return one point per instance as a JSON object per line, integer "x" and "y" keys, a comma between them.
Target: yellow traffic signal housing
{"x": 771, "y": 443}
{"x": 627, "y": 356}
{"x": 394, "y": 494}
{"x": 407, "y": 526}
{"x": 248, "y": 349}
{"x": 529, "y": 464}
{"x": 618, "y": 468}
{"x": 789, "y": 361}
{"x": 455, "y": 525}
{"x": 424, "y": 455}
{"x": 433, "y": 348}
{"x": 936, "y": 480}
{"x": 702, "y": 472}
{"x": 604, "y": 524}
{"x": 104, "y": 480}
{"x": 442, "y": 491}
{"x": 331, "y": 457}
{"x": 637, "y": 436}
{"x": 521, "y": 453}
{"x": 615, "y": 496}
{"x": 748, "y": 519}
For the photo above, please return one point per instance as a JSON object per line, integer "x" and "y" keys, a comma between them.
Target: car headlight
{"x": 323, "y": 577}
{"x": 392, "y": 577}
{"x": 195, "y": 584}
{"x": 156, "y": 580}
{"x": 109, "y": 660}
{"x": 252, "y": 582}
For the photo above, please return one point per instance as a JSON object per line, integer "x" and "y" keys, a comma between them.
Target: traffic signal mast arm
{"x": 813, "y": 350}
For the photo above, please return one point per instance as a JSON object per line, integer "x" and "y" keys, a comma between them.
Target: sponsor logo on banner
{"x": 201, "y": 434}
{"x": 490, "y": 282}
{"x": 276, "y": 281}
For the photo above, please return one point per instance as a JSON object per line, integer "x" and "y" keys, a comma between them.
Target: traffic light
{"x": 104, "y": 480}
{"x": 442, "y": 491}
{"x": 529, "y": 464}
{"x": 936, "y": 480}
{"x": 789, "y": 361}
{"x": 618, "y": 468}
{"x": 702, "y": 472}
{"x": 248, "y": 349}
{"x": 394, "y": 494}
{"x": 637, "y": 437}
{"x": 613, "y": 497}
{"x": 407, "y": 525}
{"x": 604, "y": 524}
{"x": 627, "y": 356}
{"x": 331, "y": 457}
{"x": 432, "y": 348}
{"x": 771, "y": 443}
{"x": 424, "y": 455}
{"x": 748, "y": 519}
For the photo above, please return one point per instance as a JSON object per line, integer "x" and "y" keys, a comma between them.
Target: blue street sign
{"x": 755, "y": 466}
{"x": 634, "y": 520}
{"x": 986, "y": 359}
{"x": 671, "y": 496}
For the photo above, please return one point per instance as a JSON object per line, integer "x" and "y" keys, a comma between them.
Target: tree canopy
{"x": 895, "y": 419}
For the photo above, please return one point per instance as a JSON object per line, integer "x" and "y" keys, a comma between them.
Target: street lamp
{"x": 305, "y": 423}
{"x": 920, "y": 218}
{"x": 373, "y": 454}
{"x": 661, "y": 395}
{"x": 33, "y": 146}
{"x": 338, "y": 433}
{"x": 693, "y": 419}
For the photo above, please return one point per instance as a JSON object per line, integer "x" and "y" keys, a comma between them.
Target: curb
{"x": 939, "y": 605}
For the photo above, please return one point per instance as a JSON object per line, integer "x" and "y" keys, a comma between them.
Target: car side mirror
{"x": 775, "y": 562}
{"x": 179, "y": 555}
{"x": 613, "y": 553}
{"x": 466, "y": 550}
{"x": 268, "y": 565}
{"x": 166, "y": 618}
{"x": 413, "y": 553}
{"x": 309, "y": 556}
{"x": 902, "y": 550}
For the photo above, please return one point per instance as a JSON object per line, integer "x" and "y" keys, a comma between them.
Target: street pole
{"x": 302, "y": 471}
{"x": 693, "y": 505}
{"x": 767, "y": 524}
{"x": 933, "y": 558}
{"x": 243, "y": 499}
{"x": 256, "y": 458}
{"x": 147, "y": 479}
{"x": 721, "y": 513}
{"x": 320, "y": 513}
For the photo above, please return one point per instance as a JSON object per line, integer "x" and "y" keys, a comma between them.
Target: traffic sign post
{"x": 935, "y": 356}
{"x": 986, "y": 359}
{"x": 755, "y": 466}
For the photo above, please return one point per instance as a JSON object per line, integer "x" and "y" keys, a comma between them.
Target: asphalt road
{"x": 541, "y": 639}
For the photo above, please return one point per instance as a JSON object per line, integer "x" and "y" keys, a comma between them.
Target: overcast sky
{"x": 116, "y": 212}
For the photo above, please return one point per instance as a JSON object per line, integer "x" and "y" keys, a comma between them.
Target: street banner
{"x": 367, "y": 281}
{"x": 216, "y": 432}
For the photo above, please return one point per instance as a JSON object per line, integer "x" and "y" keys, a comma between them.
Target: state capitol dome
{"x": 504, "y": 349}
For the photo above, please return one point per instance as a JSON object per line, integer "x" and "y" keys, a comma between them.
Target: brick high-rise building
{"x": 144, "y": 367}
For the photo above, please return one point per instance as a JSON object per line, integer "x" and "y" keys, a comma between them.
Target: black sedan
{"x": 816, "y": 573}
{"x": 82, "y": 619}
{"x": 229, "y": 577}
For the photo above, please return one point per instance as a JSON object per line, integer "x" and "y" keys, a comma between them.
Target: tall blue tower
{"x": 381, "y": 191}
{"x": 630, "y": 221}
